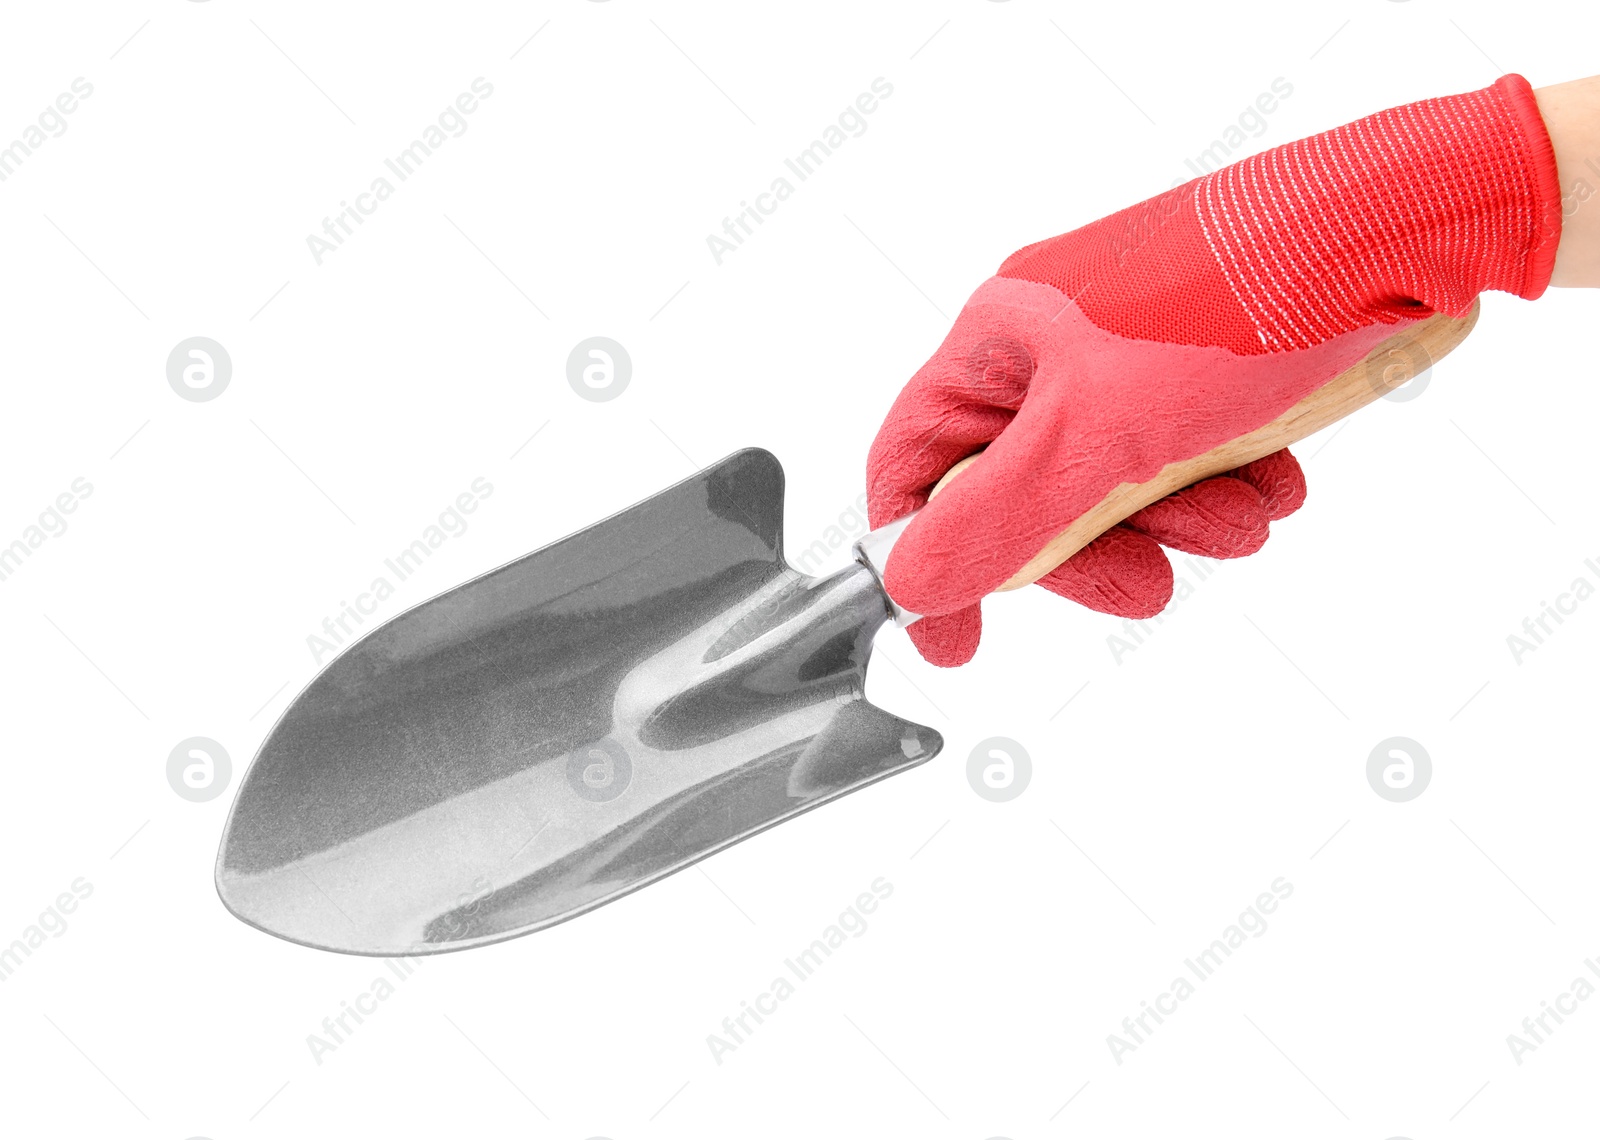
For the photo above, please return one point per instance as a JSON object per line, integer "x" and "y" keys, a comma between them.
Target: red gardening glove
{"x": 1151, "y": 336}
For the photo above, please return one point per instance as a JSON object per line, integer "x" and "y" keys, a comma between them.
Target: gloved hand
{"x": 1158, "y": 333}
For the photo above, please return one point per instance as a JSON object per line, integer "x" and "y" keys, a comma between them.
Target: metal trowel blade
{"x": 565, "y": 729}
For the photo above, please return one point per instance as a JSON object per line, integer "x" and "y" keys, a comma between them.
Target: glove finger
{"x": 1123, "y": 572}
{"x": 961, "y": 399}
{"x": 1031, "y": 481}
{"x": 1220, "y": 517}
{"x": 1278, "y": 479}
{"x": 948, "y": 640}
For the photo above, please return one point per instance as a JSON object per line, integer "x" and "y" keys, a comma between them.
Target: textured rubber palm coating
{"x": 1125, "y": 573}
{"x": 1279, "y": 481}
{"x": 1154, "y": 335}
{"x": 1222, "y": 518}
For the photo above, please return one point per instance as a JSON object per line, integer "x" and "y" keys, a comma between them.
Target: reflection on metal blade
{"x": 565, "y": 729}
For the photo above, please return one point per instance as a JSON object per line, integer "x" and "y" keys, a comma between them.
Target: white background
{"x": 369, "y": 391}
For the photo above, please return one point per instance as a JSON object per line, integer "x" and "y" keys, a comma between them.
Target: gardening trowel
{"x": 612, "y": 708}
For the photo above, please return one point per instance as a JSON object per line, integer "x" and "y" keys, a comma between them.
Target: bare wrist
{"x": 1571, "y": 113}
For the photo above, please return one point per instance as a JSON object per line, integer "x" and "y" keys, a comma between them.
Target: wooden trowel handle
{"x": 1389, "y": 365}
